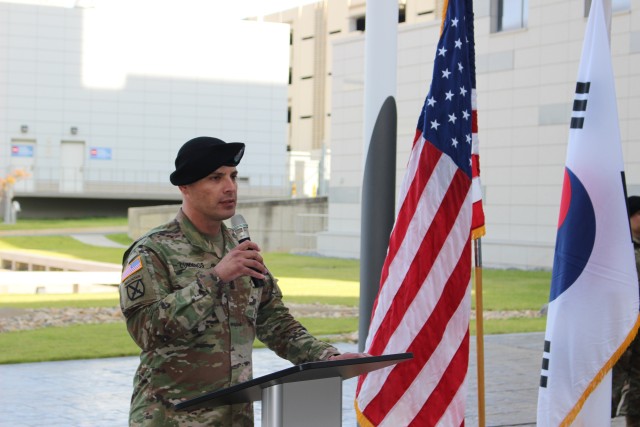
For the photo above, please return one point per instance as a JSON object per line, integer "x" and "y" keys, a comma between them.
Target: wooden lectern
{"x": 307, "y": 395}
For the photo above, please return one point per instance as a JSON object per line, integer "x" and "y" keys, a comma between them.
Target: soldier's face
{"x": 635, "y": 224}
{"x": 215, "y": 195}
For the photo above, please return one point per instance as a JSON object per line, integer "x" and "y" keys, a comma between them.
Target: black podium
{"x": 309, "y": 394}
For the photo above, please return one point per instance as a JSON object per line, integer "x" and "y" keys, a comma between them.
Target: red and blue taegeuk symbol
{"x": 576, "y": 234}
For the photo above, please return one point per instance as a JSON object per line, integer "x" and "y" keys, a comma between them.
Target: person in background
{"x": 190, "y": 304}
{"x": 626, "y": 373}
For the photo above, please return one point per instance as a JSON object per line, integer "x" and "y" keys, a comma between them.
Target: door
{"x": 71, "y": 166}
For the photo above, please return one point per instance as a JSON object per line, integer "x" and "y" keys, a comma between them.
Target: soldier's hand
{"x": 243, "y": 260}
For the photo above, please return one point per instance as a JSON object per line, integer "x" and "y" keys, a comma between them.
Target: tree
{"x": 6, "y": 193}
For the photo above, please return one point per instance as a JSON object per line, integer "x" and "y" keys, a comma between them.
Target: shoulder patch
{"x": 135, "y": 290}
{"x": 133, "y": 266}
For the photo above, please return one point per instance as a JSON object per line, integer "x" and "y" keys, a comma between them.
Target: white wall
{"x": 525, "y": 84}
{"x": 140, "y": 82}
{"x": 415, "y": 42}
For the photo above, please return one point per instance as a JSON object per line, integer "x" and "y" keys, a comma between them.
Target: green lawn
{"x": 42, "y": 224}
{"x": 303, "y": 279}
{"x": 515, "y": 289}
{"x": 92, "y": 341}
{"x": 67, "y": 343}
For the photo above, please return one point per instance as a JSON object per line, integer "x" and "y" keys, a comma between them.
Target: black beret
{"x": 633, "y": 204}
{"x": 200, "y": 156}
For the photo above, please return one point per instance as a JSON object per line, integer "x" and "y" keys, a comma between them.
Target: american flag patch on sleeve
{"x": 133, "y": 266}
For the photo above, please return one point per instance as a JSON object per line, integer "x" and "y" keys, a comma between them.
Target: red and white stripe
{"x": 423, "y": 305}
{"x": 477, "y": 224}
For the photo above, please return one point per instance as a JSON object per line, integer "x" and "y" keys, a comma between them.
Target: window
{"x": 358, "y": 23}
{"x": 616, "y": 6}
{"x": 402, "y": 13}
{"x": 620, "y": 5}
{"x": 509, "y": 14}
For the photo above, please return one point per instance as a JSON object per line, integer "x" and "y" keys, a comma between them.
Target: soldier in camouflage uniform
{"x": 626, "y": 373}
{"x": 190, "y": 304}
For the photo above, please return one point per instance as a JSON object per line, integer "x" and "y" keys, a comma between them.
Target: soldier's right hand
{"x": 243, "y": 260}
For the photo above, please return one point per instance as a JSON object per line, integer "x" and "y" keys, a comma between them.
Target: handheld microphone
{"x": 241, "y": 230}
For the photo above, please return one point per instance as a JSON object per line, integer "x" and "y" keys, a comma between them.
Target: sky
{"x": 226, "y": 9}
{"x": 209, "y": 39}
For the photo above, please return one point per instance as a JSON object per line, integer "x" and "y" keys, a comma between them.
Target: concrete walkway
{"x": 91, "y": 278}
{"x": 58, "y": 282}
{"x": 96, "y": 393}
{"x": 94, "y": 239}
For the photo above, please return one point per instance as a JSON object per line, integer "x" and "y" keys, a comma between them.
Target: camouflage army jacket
{"x": 197, "y": 336}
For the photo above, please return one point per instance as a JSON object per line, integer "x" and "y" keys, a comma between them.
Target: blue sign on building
{"x": 100, "y": 153}
{"x": 21, "y": 150}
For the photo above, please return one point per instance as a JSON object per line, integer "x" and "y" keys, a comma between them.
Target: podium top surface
{"x": 251, "y": 391}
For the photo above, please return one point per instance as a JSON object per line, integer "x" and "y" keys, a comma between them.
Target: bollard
{"x": 76, "y": 288}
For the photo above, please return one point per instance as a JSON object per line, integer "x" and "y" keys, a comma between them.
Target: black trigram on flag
{"x": 545, "y": 362}
{"x": 580, "y": 105}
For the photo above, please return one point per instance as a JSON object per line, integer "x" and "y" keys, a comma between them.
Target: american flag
{"x": 423, "y": 305}
{"x": 133, "y": 266}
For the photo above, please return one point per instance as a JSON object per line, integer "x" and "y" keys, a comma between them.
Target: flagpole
{"x": 477, "y": 248}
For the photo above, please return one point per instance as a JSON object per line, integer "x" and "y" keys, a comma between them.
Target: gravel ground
{"x": 14, "y": 319}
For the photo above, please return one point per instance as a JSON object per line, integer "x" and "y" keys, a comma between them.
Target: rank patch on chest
{"x": 135, "y": 290}
{"x": 133, "y": 266}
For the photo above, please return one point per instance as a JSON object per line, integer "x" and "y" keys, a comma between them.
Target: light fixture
{"x": 74, "y": 130}
{"x": 24, "y": 128}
